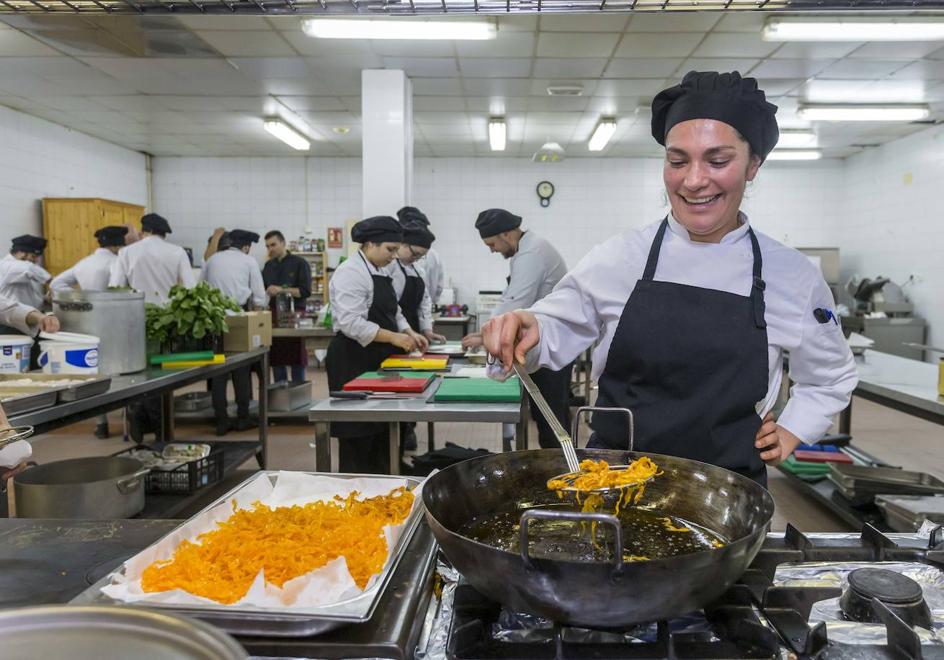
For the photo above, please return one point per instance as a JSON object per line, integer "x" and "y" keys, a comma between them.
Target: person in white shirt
{"x": 370, "y": 327}
{"x": 535, "y": 268}
{"x": 25, "y": 319}
{"x": 21, "y": 277}
{"x": 690, "y": 316}
{"x": 431, "y": 263}
{"x": 238, "y": 276}
{"x": 92, "y": 272}
{"x": 152, "y": 265}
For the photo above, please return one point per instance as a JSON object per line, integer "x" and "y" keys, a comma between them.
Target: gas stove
{"x": 828, "y": 596}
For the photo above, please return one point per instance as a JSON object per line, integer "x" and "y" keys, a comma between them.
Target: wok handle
{"x": 131, "y": 482}
{"x": 573, "y": 516}
{"x": 594, "y": 409}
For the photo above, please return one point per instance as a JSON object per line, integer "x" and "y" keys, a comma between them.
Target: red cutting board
{"x": 372, "y": 382}
{"x": 811, "y": 456}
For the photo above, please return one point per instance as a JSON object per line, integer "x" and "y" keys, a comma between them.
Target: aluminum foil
{"x": 435, "y": 648}
{"x": 518, "y": 627}
{"x": 831, "y": 574}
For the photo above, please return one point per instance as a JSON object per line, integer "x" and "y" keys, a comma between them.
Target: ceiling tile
{"x": 575, "y": 44}
{"x": 790, "y": 68}
{"x": 439, "y": 103}
{"x": 642, "y": 67}
{"x": 14, "y": 43}
{"x": 496, "y": 86}
{"x": 641, "y": 44}
{"x": 583, "y": 23}
{"x": 507, "y": 44}
{"x": 306, "y": 45}
{"x": 539, "y": 85}
{"x": 568, "y": 68}
{"x": 130, "y": 103}
{"x": 518, "y": 23}
{"x": 641, "y": 87}
{"x": 722, "y": 44}
{"x": 896, "y": 50}
{"x": 260, "y": 68}
{"x": 413, "y": 48}
{"x": 557, "y": 104}
{"x": 747, "y": 21}
{"x": 485, "y": 67}
{"x": 424, "y": 67}
{"x": 692, "y": 21}
{"x": 744, "y": 66}
{"x": 319, "y": 103}
{"x": 774, "y": 87}
{"x": 437, "y": 86}
{"x": 849, "y": 68}
{"x": 223, "y": 22}
{"x": 921, "y": 70}
{"x": 812, "y": 50}
{"x": 248, "y": 43}
{"x": 497, "y": 105}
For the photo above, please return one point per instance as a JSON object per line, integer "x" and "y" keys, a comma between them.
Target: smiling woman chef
{"x": 692, "y": 314}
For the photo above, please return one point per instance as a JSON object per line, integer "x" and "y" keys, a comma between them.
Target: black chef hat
{"x": 378, "y": 229}
{"x": 415, "y": 233}
{"x": 725, "y": 97}
{"x": 111, "y": 236}
{"x": 29, "y": 244}
{"x": 240, "y": 237}
{"x": 494, "y": 221}
{"x": 412, "y": 214}
{"x": 155, "y": 224}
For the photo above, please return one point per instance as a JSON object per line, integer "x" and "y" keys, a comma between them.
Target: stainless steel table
{"x": 903, "y": 384}
{"x": 420, "y": 409}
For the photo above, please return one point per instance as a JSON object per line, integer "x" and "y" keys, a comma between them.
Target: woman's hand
{"x": 45, "y": 322}
{"x": 472, "y": 340}
{"x": 510, "y": 336}
{"x": 433, "y": 337}
{"x": 404, "y": 342}
{"x": 421, "y": 342}
{"x": 774, "y": 442}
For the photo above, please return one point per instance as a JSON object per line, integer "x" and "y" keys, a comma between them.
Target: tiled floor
{"x": 892, "y": 436}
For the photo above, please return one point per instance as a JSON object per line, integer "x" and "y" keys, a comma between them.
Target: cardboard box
{"x": 248, "y": 330}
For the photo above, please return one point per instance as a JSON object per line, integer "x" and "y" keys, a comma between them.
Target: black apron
{"x": 412, "y": 297}
{"x": 347, "y": 359}
{"x": 690, "y": 363}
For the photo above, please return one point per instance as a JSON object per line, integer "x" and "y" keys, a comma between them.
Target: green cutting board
{"x": 480, "y": 390}
{"x": 380, "y": 375}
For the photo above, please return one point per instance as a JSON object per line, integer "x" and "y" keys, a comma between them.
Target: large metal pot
{"x": 97, "y": 488}
{"x": 116, "y": 317}
{"x": 596, "y": 593}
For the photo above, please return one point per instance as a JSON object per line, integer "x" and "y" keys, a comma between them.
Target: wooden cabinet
{"x": 70, "y": 224}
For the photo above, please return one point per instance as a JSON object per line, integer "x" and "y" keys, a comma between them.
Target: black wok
{"x": 597, "y": 593}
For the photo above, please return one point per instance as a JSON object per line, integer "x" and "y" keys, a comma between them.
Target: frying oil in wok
{"x": 646, "y": 535}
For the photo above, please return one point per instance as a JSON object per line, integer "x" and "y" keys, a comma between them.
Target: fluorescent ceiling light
{"x": 602, "y": 134}
{"x": 796, "y": 139}
{"x": 795, "y": 154}
{"x": 497, "y": 132}
{"x": 863, "y": 112}
{"x": 287, "y": 134}
{"x": 397, "y": 28}
{"x": 853, "y": 29}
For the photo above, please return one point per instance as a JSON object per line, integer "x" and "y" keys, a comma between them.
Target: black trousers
{"x": 242, "y": 386}
{"x": 555, "y": 386}
{"x": 368, "y": 454}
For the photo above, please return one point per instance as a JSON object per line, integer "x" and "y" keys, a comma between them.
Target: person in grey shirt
{"x": 536, "y": 268}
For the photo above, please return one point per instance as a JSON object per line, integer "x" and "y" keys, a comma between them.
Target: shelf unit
{"x": 318, "y": 261}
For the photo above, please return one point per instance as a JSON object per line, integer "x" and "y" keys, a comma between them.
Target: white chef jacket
{"x": 152, "y": 266}
{"x": 22, "y": 281}
{"x": 13, "y": 314}
{"x": 89, "y": 274}
{"x": 586, "y": 305}
{"x": 399, "y": 283}
{"x": 237, "y": 275}
{"x": 536, "y": 268}
{"x": 351, "y": 291}
{"x": 435, "y": 277}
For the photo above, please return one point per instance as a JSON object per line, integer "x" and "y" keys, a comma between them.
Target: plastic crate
{"x": 187, "y": 478}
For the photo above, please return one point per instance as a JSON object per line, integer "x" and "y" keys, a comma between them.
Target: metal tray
{"x": 192, "y": 401}
{"x": 863, "y": 480}
{"x": 281, "y": 622}
{"x": 91, "y": 385}
{"x": 445, "y": 349}
{"x": 911, "y": 510}
{"x": 27, "y": 399}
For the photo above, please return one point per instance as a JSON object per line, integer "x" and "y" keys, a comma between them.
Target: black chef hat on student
{"x": 155, "y": 224}
{"x": 29, "y": 244}
{"x": 494, "y": 221}
{"x": 111, "y": 235}
{"x": 240, "y": 237}
{"x": 725, "y": 97}
{"x": 378, "y": 229}
{"x": 415, "y": 233}
{"x": 410, "y": 214}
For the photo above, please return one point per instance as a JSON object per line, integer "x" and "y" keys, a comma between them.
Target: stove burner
{"x": 898, "y": 592}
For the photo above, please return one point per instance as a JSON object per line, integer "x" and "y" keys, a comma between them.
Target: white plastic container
{"x": 15, "y": 353}
{"x": 68, "y": 353}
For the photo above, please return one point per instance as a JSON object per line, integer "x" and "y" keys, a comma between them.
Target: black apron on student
{"x": 363, "y": 446}
{"x": 412, "y": 297}
{"x": 691, "y": 364}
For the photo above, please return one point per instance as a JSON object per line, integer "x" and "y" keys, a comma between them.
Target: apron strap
{"x": 653, "y": 260}
{"x": 758, "y": 285}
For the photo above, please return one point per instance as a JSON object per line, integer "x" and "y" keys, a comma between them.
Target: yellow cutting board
{"x": 219, "y": 358}
{"x": 416, "y": 363}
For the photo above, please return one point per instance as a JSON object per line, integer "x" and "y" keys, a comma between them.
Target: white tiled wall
{"x": 891, "y": 220}
{"x": 41, "y": 159}
{"x": 594, "y": 199}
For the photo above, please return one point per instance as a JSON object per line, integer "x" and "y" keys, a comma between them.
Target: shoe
{"x": 222, "y": 427}
{"x": 101, "y": 431}
{"x": 409, "y": 440}
{"x": 244, "y": 424}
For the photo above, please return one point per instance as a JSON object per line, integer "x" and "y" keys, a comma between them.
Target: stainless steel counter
{"x": 319, "y": 332}
{"x": 419, "y": 409}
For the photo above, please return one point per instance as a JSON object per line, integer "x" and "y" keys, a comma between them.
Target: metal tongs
{"x": 611, "y": 494}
